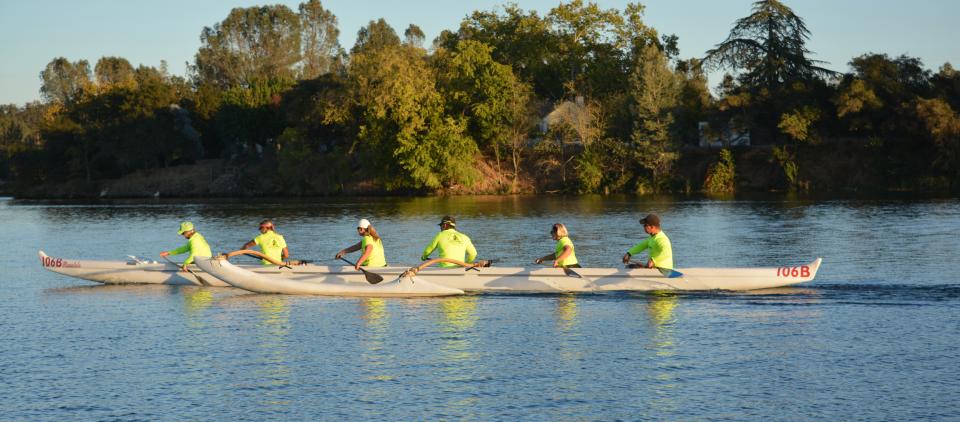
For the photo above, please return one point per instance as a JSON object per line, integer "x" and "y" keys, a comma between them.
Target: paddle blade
{"x": 372, "y": 278}
{"x": 571, "y": 273}
{"x": 669, "y": 273}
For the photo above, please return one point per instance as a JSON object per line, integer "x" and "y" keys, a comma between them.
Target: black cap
{"x": 448, "y": 220}
{"x": 650, "y": 220}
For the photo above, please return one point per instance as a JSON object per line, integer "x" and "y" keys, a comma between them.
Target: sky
{"x": 145, "y": 32}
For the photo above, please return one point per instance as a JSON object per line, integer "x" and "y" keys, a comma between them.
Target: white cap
{"x": 364, "y": 223}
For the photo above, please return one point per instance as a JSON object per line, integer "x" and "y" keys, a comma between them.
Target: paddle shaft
{"x": 372, "y": 278}
{"x": 667, "y": 272}
{"x": 199, "y": 282}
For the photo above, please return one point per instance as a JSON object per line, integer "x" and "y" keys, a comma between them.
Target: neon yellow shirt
{"x": 452, "y": 244}
{"x": 376, "y": 258}
{"x": 570, "y": 260}
{"x": 196, "y": 245}
{"x": 272, "y": 245}
{"x": 660, "y": 250}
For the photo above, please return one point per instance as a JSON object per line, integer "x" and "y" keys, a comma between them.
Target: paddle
{"x": 570, "y": 273}
{"x": 259, "y": 255}
{"x": 199, "y": 282}
{"x": 566, "y": 270}
{"x": 372, "y": 278}
{"x": 667, "y": 272}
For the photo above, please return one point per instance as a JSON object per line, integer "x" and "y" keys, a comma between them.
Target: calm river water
{"x": 875, "y": 336}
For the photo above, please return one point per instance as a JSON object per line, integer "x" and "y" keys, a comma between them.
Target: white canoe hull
{"x": 524, "y": 280}
{"x": 492, "y": 279}
{"x": 330, "y": 285}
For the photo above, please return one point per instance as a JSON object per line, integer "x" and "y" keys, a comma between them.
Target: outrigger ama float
{"x": 424, "y": 281}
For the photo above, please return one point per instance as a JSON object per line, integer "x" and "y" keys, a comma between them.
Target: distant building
{"x": 571, "y": 112}
{"x": 727, "y": 137}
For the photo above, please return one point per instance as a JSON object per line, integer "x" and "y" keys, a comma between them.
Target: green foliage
{"x": 655, "y": 90}
{"x": 249, "y": 117}
{"x": 375, "y": 36}
{"x": 721, "y": 176}
{"x": 304, "y": 170}
{"x": 254, "y": 43}
{"x": 616, "y": 107}
{"x": 479, "y": 89}
{"x": 943, "y": 126}
{"x": 64, "y": 82}
{"x": 577, "y": 47}
{"x": 413, "y": 36}
{"x": 114, "y": 72}
{"x": 404, "y": 138}
{"x": 318, "y": 40}
{"x": 788, "y": 162}
{"x": 19, "y": 134}
{"x": 770, "y": 45}
{"x": 798, "y": 124}
{"x": 589, "y": 171}
{"x": 875, "y": 98}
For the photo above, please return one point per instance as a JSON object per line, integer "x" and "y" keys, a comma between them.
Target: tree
{"x": 770, "y": 46}
{"x": 947, "y": 85}
{"x": 942, "y": 124}
{"x": 521, "y": 39}
{"x": 64, "y": 81}
{"x": 413, "y": 36}
{"x": 376, "y": 35}
{"x": 481, "y": 91}
{"x": 404, "y": 137}
{"x": 318, "y": 38}
{"x": 114, "y": 72}
{"x": 875, "y": 98}
{"x": 255, "y": 43}
{"x": 655, "y": 89}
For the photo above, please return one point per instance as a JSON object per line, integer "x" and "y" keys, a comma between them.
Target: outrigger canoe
{"x": 303, "y": 279}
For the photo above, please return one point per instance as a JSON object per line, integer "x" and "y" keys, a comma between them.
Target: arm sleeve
{"x": 639, "y": 247}
{"x": 429, "y": 249}
{"x": 471, "y": 251}
{"x": 183, "y": 249}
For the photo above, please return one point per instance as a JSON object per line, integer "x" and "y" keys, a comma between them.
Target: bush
{"x": 721, "y": 175}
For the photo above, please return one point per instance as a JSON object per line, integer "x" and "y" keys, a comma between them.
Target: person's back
{"x": 450, "y": 244}
{"x": 377, "y": 257}
{"x": 272, "y": 244}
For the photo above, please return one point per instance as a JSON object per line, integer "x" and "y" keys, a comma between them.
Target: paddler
{"x": 563, "y": 255}
{"x": 370, "y": 244}
{"x": 196, "y": 245}
{"x": 271, "y": 243}
{"x": 660, "y": 252}
{"x": 451, "y": 244}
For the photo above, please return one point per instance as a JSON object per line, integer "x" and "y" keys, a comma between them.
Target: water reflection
{"x": 374, "y": 312}
{"x": 196, "y": 300}
{"x": 273, "y": 363}
{"x": 660, "y": 310}
{"x": 457, "y": 356}
{"x": 567, "y": 312}
{"x": 459, "y": 316}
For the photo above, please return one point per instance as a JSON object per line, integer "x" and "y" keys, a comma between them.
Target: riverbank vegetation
{"x": 579, "y": 100}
